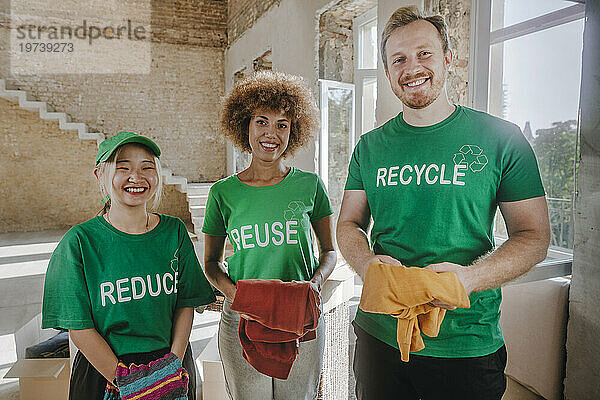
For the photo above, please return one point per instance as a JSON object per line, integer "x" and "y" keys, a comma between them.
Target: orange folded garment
{"x": 404, "y": 293}
{"x": 283, "y": 313}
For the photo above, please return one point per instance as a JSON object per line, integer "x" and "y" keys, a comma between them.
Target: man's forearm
{"x": 354, "y": 246}
{"x": 512, "y": 259}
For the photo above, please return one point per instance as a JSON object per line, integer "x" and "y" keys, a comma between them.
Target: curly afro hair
{"x": 272, "y": 91}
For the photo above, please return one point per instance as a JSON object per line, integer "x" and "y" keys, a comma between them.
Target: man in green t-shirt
{"x": 432, "y": 178}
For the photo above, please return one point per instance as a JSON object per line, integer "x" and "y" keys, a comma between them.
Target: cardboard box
{"x": 214, "y": 391}
{"x": 46, "y": 379}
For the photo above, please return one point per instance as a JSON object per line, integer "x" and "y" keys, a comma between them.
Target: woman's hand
{"x": 316, "y": 283}
{"x": 96, "y": 350}
{"x": 229, "y": 292}
{"x": 327, "y": 255}
{"x": 182, "y": 326}
{"x": 246, "y": 317}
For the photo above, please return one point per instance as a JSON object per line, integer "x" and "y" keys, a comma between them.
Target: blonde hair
{"x": 404, "y": 16}
{"x": 106, "y": 173}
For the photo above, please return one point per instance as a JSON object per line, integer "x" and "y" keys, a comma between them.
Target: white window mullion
{"x": 546, "y": 21}
{"x": 479, "y": 66}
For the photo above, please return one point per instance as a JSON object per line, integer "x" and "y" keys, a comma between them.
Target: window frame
{"x": 361, "y": 74}
{"x": 482, "y": 37}
{"x": 323, "y": 147}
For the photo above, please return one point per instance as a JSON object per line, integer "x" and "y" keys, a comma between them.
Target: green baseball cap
{"x": 108, "y": 146}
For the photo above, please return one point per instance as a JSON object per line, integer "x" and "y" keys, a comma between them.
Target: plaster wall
{"x": 289, "y": 29}
{"x": 242, "y": 14}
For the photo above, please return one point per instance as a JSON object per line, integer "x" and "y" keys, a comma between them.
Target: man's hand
{"x": 384, "y": 259}
{"x": 378, "y": 258}
{"x": 462, "y": 274}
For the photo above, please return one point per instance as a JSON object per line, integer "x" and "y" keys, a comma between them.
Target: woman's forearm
{"x": 327, "y": 261}
{"x": 96, "y": 350}
{"x": 218, "y": 278}
{"x": 214, "y": 247}
{"x": 327, "y": 254}
{"x": 182, "y": 326}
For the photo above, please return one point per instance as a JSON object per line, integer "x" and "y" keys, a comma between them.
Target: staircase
{"x": 196, "y": 193}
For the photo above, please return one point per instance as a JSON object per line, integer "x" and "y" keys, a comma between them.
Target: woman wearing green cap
{"x": 126, "y": 282}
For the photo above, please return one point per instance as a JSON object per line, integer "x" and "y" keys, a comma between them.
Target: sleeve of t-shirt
{"x": 354, "y": 180}
{"x": 214, "y": 223}
{"x": 520, "y": 173}
{"x": 66, "y": 301}
{"x": 193, "y": 288}
{"x": 322, "y": 206}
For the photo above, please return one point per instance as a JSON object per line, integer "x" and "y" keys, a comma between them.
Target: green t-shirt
{"x": 269, "y": 227}
{"x": 433, "y": 192}
{"x": 125, "y": 286}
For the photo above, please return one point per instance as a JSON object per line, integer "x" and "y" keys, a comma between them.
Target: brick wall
{"x": 46, "y": 175}
{"x": 192, "y": 22}
{"x": 242, "y": 14}
{"x": 176, "y": 103}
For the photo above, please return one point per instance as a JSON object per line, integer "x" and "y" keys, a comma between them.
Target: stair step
{"x": 198, "y": 221}
{"x": 195, "y": 189}
{"x": 175, "y": 180}
{"x": 32, "y": 105}
{"x": 11, "y": 94}
{"x": 197, "y": 200}
{"x": 56, "y": 116}
{"x": 73, "y": 126}
{"x": 27, "y": 249}
{"x": 197, "y": 211}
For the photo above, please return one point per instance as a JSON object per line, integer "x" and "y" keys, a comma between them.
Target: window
{"x": 365, "y": 70}
{"x": 241, "y": 160}
{"x": 336, "y": 140}
{"x": 526, "y": 68}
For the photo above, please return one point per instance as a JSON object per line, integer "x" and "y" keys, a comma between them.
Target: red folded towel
{"x": 283, "y": 313}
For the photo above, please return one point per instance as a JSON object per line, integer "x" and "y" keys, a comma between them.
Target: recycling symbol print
{"x": 295, "y": 212}
{"x": 472, "y": 156}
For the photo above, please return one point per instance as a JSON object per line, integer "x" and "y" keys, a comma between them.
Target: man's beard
{"x": 422, "y": 98}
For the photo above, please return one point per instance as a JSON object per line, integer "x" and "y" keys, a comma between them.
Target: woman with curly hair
{"x": 267, "y": 212}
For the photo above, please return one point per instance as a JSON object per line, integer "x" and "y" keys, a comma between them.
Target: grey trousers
{"x": 244, "y": 382}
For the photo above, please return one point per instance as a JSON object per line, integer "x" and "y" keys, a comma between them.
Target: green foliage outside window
{"x": 555, "y": 148}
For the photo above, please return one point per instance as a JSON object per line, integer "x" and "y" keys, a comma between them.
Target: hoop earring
{"x": 105, "y": 199}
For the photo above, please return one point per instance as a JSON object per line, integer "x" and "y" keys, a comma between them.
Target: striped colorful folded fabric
{"x": 163, "y": 379}
{"x": 111, "y": 392}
